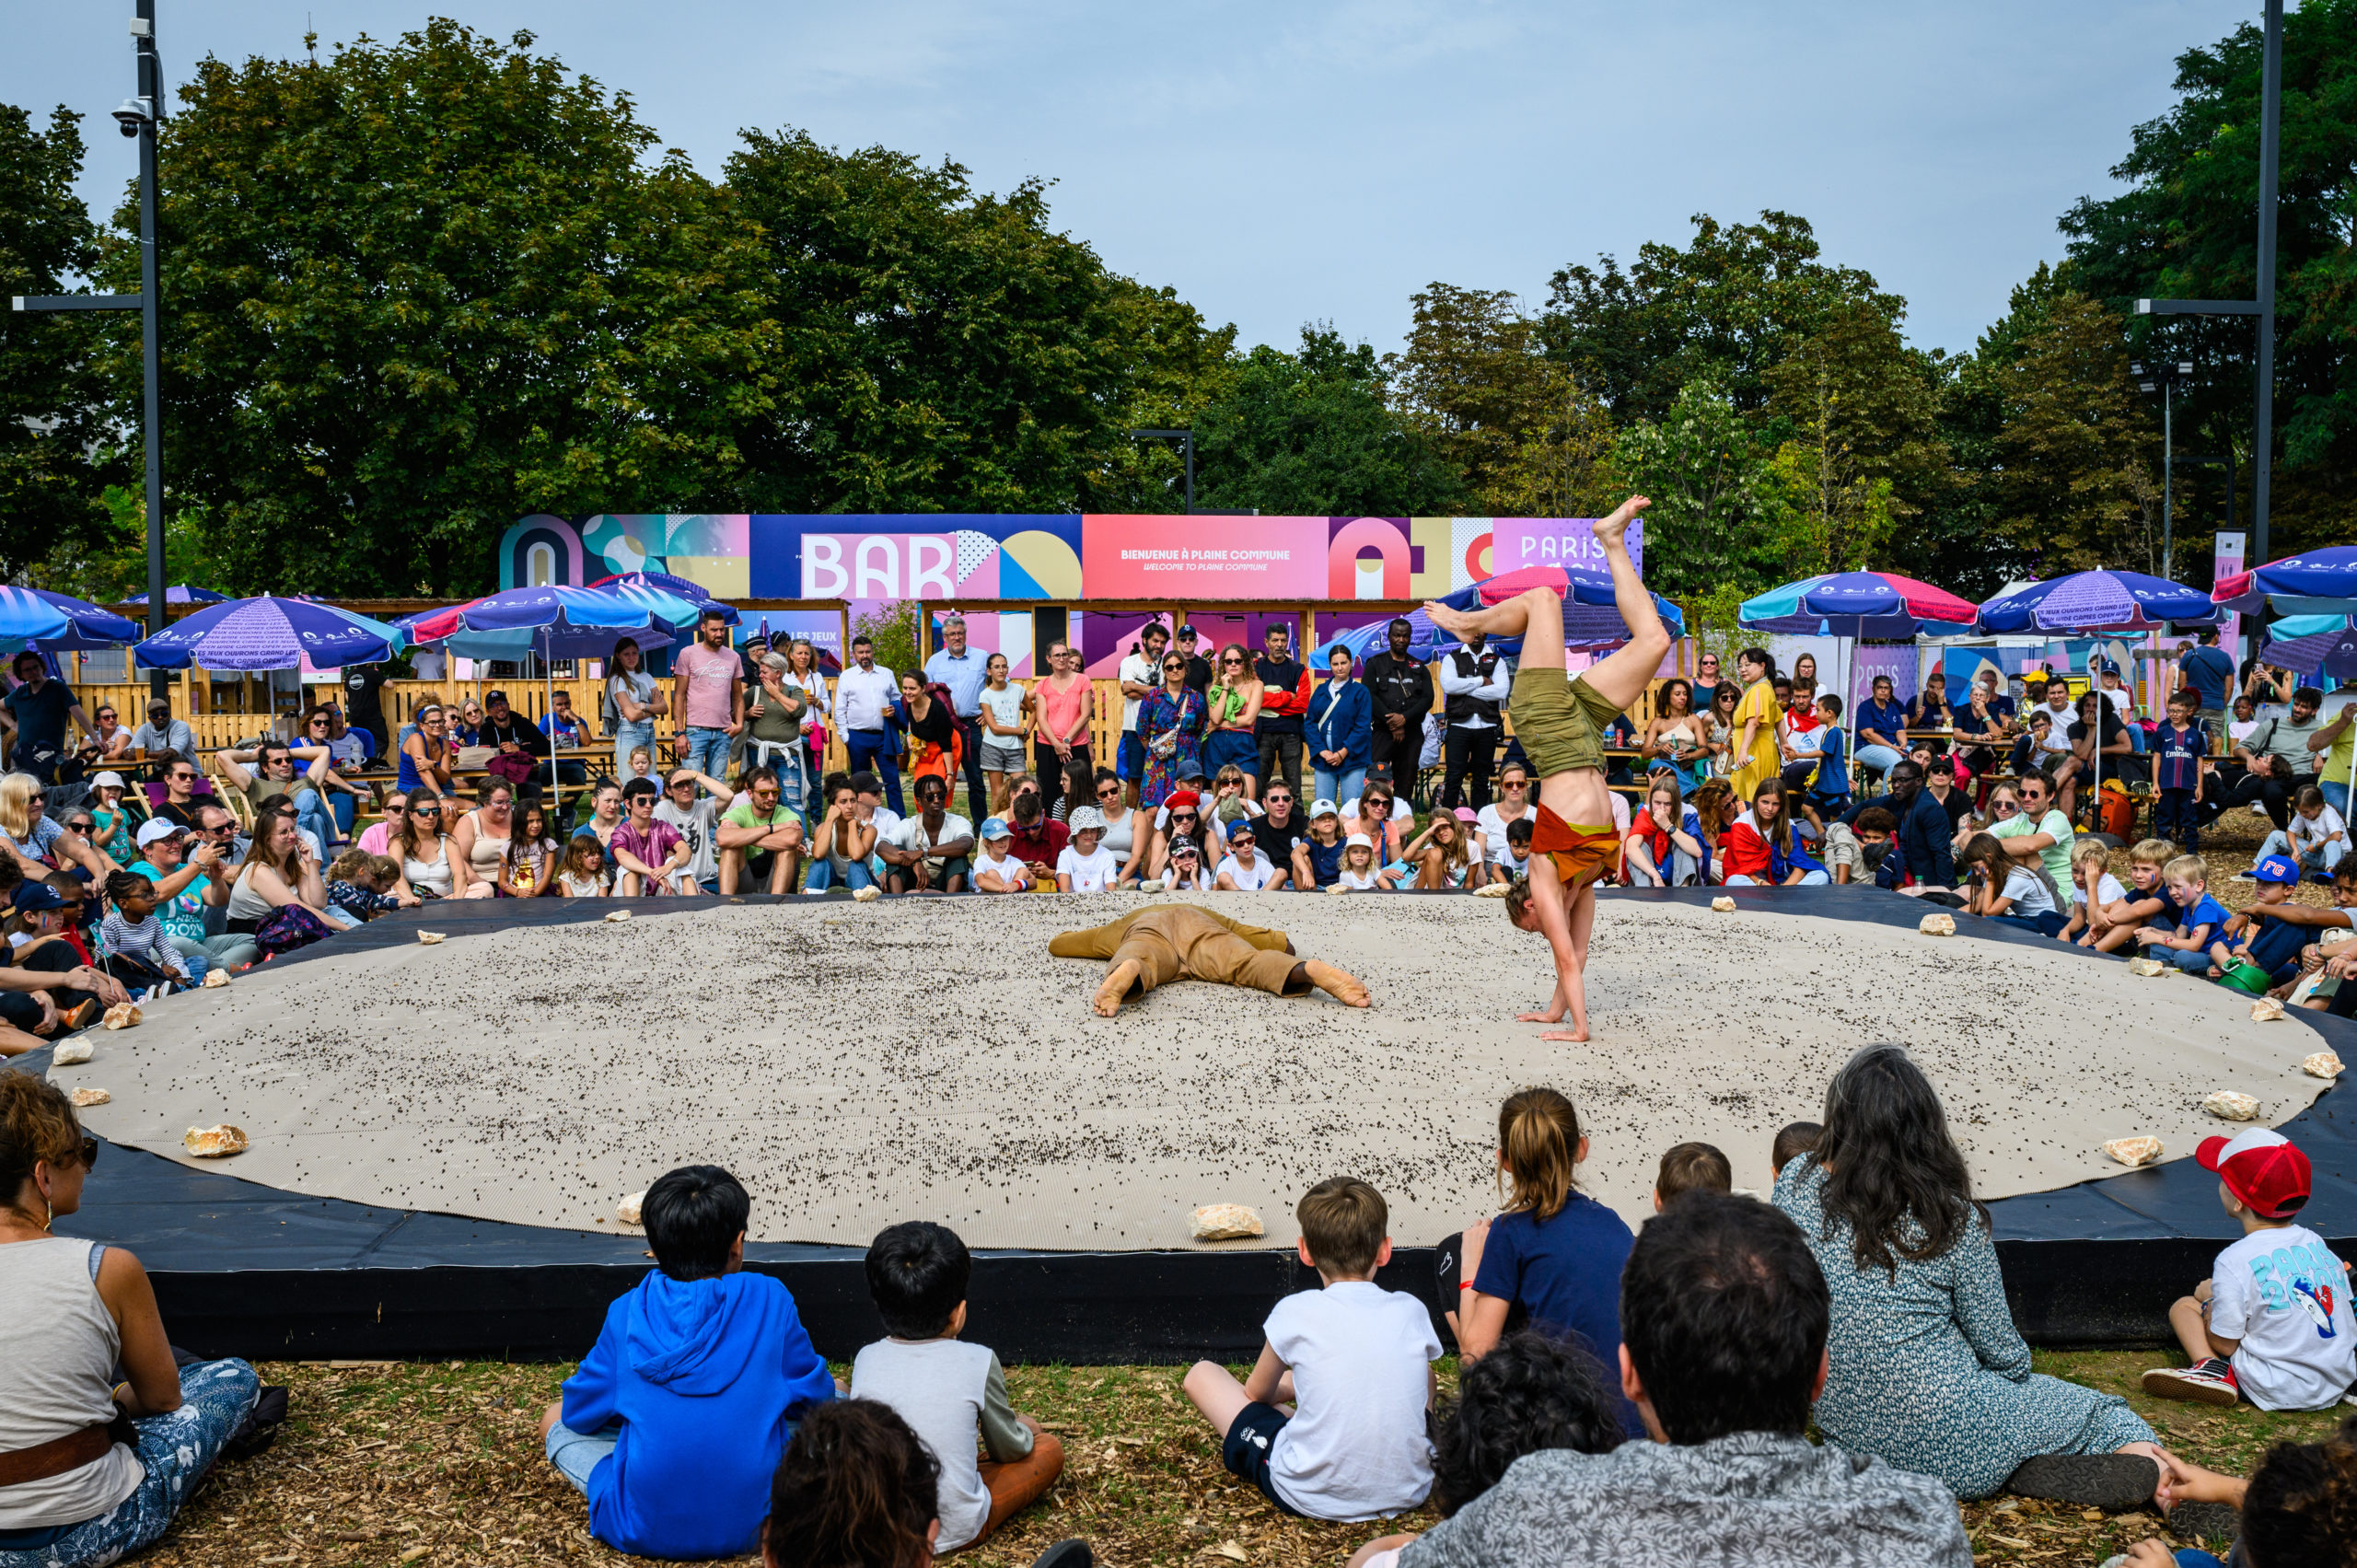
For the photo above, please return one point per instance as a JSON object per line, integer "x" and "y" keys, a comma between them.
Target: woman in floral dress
{"x": 1170, "y": 724}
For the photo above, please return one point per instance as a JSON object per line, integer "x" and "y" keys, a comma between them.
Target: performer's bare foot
{"x": 1612, "y": 527}
{"x": 1119, "y": 981}
{"x": 1342, "y": 987}
{"x": 1575, "y": 1037}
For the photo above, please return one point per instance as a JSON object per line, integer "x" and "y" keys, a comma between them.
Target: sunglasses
{"x": 1183, "y": 815}
{"x": 425, "y": 811}
{"x": 1107, "y": 792}
{"x": 1174, "y": 664}
{"x": 1229, "y": 660}
{"x": 80, "y": 827}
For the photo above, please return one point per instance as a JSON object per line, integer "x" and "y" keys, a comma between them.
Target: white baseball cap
{"x": 1358, "y": 841}
{"x": 1085, "y": 818}
{"x": 110, "y": 778}
{"x": 157, "y": 829}
{"x": 1323, "y": 809}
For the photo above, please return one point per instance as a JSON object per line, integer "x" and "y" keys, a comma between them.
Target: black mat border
{"x": 245, "y": 1270}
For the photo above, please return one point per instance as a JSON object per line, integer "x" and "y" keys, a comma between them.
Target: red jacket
{"x": 1278, "y": 702}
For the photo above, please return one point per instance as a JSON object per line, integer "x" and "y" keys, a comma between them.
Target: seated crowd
{"x": 1624, "y": 1398}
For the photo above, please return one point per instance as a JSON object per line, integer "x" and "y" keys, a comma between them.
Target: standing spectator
{"x": 1928, "y": 1372}
{"x": 2210, "y": 671}
{"x": 840, "y": 848}
{"x": 760, "y": 827}
{"x": 1724, "y": 1318}
{"x": 88, "y": 1383}
{"x": 773, "y": 713}
{"x": 1881, "y": 730}
{"x": 1400, "y": 693}
{"x": 1234, "y": 707}
{"x": 708, "y": 677}
{"x": 650, "y": 856}
{"x": 2277, "y": 761}
{"x": 163, "y": 733}
{"x": 1063, "y": 705}
{"x": 964, "y": 672}
{"x": 2181, "y": 761}
{"x": 422, "y": 764}
{"x": 674, "y": 1422}
{"x": 1476, "y": 682}
{"x": 1676, "y": 739}
{"x": 934, "y": 848}
{"x": 932, "y": 729}
{"x": 1752, "y": 757}
{"x": 864, "y": 694}
{"x": 1003, "y": 704}
{"x": 39, "y": 708}
{"x": 1141, "y": 672}
{"x": 1198, "y": 668}
{"x": 802, "y": 674}
{"x": 2330, "y": 746}
{"x": 695, "y": 817}
{"x": 636, "y": 703}
{"x": 1341, "y": 729}
{"x": 1171, "y": 720}
{"x": 1285, "y": 699}
{"x": 952, "y": 1393}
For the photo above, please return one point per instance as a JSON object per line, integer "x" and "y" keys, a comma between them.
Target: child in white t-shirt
{"x": 1359, "y": 874}
{"x": 1246, "y": 869}
{"x": 1355, "y": 1360}
{"x": 2316, "y": 836}
{"x": 996, "y": 870}
{"x": 2271, "y": 1324}
{"x": 2087, "y": 863}
{"x": 1085, "y": 866}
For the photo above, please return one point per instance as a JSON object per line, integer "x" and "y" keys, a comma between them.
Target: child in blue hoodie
{"x": 675, "y": 1420}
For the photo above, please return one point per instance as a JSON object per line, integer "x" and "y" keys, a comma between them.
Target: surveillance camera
{"x": 133, "y": 116}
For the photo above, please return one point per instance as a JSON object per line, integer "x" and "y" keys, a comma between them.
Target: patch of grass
{"x": 436, "y": 1465}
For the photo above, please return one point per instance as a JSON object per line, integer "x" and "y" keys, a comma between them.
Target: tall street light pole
{"x": 2164, "y": 378}
{"x": 139, "y": 117}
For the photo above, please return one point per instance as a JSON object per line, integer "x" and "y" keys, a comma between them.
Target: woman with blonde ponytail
{"x": 1552, "y": 1259}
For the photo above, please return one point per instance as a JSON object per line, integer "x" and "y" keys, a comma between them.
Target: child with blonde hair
{"x": 583, "y": 873}
{"x": 1359, "y": 873}
{"x": 2200, "y": 918}
{"x": 2094, "y": 891}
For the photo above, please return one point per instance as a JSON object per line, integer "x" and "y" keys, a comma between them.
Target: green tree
{"x": 1314, "y": 434}
{"x": 2075, "y": 485}
{"x": 421, "y": 289}
{"x": 2186, "y": 228}
{"x": 1727, "y": 309}
{"x": 52, "y": 407}
{"x": 943, "y": 349}
{"x": 1475, "y": 384}
{"x": 1725, "y": 518}
{"x": 892, "y": 627}
{"x": 1865, "y": 447}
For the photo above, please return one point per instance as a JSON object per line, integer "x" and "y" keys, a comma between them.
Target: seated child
{"x": 131, "y": 936}
{"x": 2317, "y": 837}
{"x": 1690, "y": 1167}
{"x": 2295, "y": 1508}
{"x": 1796, "y": 1139}
{"x": 583, "y": 874}
{"x": 1845, "y": 860}
{"x": 673, "y": 1425}
{"x": 1359, "y": 873}
{"x": 1552, "y": 1259}
{"x": 1528, "y": 1394}
{"x": 361, "y": 884}
{"x": 2094, "y": 892}
{"x": 949, "y": 1392}
{"x": 2147, "y": 900}
{"x": 1515, "y": 862}
{"x": 2271, "y": 945}
{"x": 2012, "y": 892}
{"x": 642, "y": 765}
{"x": 1356, "y": 1362}
{"x": 2271, "y": 1324}
{"x": 996, "y": 869}
{"x": 2199, "y": 917}
{"x": 1878, "y": 853}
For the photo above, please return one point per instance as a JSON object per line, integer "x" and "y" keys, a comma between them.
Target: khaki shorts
{"x": 1560, "y": 720}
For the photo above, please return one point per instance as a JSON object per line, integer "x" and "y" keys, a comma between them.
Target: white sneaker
{"x": 2259, "y": 808}
{"x": 2242, "y": 876}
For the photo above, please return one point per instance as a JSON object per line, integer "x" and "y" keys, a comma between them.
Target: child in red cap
{"x": 2271, "y": 1324}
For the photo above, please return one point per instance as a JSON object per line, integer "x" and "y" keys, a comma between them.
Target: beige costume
{"x": 1182, "y": 942}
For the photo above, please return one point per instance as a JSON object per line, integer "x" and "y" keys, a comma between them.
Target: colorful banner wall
{"x": 1066, "y": 558}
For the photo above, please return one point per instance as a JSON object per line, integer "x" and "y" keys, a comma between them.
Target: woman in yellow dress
{"x": 1754, "y": 757}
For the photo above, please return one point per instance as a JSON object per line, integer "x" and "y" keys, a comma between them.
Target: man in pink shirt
{"x": 711, "y": 696}
{"x": 650, "y": 856}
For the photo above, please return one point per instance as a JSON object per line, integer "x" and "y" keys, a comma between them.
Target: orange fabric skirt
{"x": 1582, "y": 852}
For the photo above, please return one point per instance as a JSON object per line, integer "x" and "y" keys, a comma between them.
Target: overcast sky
{"x": 1322, "y": 159}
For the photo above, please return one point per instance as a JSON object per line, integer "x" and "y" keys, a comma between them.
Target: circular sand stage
{"x": 925, "y": 1058}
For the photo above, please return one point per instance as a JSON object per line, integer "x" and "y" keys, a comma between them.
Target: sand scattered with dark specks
{"x": 927, "y": 1059}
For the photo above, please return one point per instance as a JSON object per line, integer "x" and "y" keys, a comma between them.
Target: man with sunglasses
{"x": 273, "y": 777}
{"x": 1198, "y": 668}
{"x": 931, "y": 849}
{"x": 163, "y": 733}
{"x": 759, "y": 833}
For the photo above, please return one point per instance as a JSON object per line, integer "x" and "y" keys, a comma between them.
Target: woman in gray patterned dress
{"x": 1928, "y": 1371}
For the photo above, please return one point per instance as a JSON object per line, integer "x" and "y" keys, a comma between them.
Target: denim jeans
{"x": 822, "y": 877}
{"x": 872, "y": 750}
{"x": 2192, "y": 961}
{"x": 629, "y": 736}
{"x": 312, "y": 816}
{"x": 2336, "y": 795}
{"x": 1339, "y": 785}
{"x": 2324, "y": 857}
{"x": 705, "y": 750}
{"x": 229, "y": 951}
{"x": 175, "y": 1448}
{"x": 575, "y": 1454}
{"x": 1876, "y": 760}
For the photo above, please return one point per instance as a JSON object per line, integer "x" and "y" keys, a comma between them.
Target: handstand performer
{"x": 1561, "y": 723}
{"x": 1165, "y": 941}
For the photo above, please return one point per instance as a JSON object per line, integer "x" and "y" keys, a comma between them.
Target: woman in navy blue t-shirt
{"x": 1554, "y": 1258}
